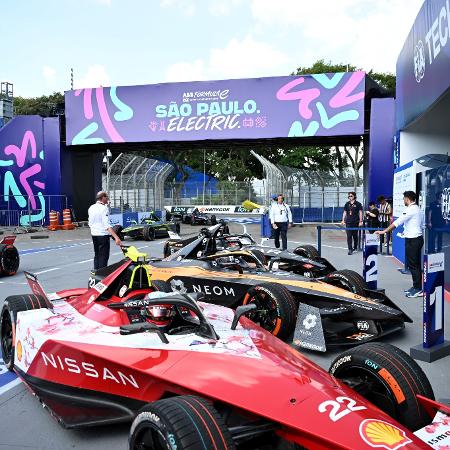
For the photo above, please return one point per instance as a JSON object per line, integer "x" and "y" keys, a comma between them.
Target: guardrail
{"x": 360, "y": 237}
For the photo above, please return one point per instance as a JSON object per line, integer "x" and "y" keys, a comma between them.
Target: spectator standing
{"x": 352, "y": 217}
{"x": 385, "y": 214}
{"x": 280, "y": 219}
{"x": 412, "y": 221}
{"x": 372, "y": 217}
{"x": 101, "y": 229}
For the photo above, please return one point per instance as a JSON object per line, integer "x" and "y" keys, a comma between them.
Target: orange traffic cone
{"x": 54, "y": 220}
{"x": 67, "y": 220}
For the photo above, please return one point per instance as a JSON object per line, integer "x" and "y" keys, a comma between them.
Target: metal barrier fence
{"x": 29, "y": 211}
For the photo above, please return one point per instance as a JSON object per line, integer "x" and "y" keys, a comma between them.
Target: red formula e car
{"x": 9, "y": 256}
{"x": 199, "y": 376}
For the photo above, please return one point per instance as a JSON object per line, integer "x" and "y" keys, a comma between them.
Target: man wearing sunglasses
{"x": 352, "y": 217}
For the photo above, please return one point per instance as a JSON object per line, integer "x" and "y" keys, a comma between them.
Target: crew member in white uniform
{"x": 101, "y": 229}
{"x": 281, "y": 219}
{"x": 412, "y": 221}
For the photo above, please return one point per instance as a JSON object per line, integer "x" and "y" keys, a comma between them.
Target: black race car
{"x": 303, "y": 260}
{"x": 317, "y": 314}
{"x": 151, "y": 227}
{"x": 196, "y": 217}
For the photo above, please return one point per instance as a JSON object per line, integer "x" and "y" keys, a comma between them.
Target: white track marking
{"x": 85, "y": 261}
{"x": 9, "y": 386}
{"x": 47, "y": 270}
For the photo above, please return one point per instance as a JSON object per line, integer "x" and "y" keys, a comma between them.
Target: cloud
{"x": 95, "y": 76}
{"x": 188, "y": 7}
{"x": 365, "y": 33}
{"x": 238, "y": 59}
{"x": 222, "y": 7}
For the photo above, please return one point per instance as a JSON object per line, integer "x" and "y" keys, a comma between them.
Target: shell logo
{"x": 19, "y": 350}
{"x": 380, "y": 434}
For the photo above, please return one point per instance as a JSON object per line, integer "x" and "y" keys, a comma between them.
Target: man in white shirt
{"x": 281, "y": 219}
{"x": 101, "y": 229}
{"x": 412, "y": 221}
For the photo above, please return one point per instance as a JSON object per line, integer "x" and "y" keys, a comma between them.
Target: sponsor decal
{"x": 84, "y": 368}
{"x": 19, "y": 350}
{"x": 309, "y": 345}
{"x": 214, "y": 290}
{"x": 100, "y": 287}
{"x": 371, "y": 364}
{"x": 310, "y": 321}
{"x": 419, "y": 61}
{"x": 123, "y": 289}
{"x": 360, "y": 336}
{"x": 391, "y": 381}
{"x": 339, "y": 362}
{"x": 380, "y": 434}
{"x": 339, "y": 408}
{"x": 437, "y": 434}
{"x": 362, "y": 325}
{"x": 178, "y": 286}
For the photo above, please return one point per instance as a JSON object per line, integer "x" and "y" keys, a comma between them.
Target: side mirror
{"x": 143, "y": 327}
{"x": 133, "y": 222}
{"x": 241, "y": 311}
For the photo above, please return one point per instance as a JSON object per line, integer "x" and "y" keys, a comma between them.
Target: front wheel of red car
{"x": 276, "y": 308}
{"x": 8, "y": 318}
{"x": 387, "y": 377}
{"x": 185, "y": 422}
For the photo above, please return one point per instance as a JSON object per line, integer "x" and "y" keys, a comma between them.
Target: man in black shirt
{"x": 352, "y": 217}
{"x": 372, "y": 217}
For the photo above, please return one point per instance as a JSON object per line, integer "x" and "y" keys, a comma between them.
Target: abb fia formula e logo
{"x": 419, "y": 61}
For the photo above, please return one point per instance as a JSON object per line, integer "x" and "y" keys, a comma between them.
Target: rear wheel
{"x": 177, "y": 227}
{"x": 347, "y": 279}
{"x": 387, "y": 377}
{"x": 8, "y": 318}
{"x": 307, "y": 251}
{"x": 166, "y": 249}
{"x": 276, "y": 308}
{"x": 148, "y": 233}
{"x": 260, "y": 256}
{"x": 184, "y": 422}
{"x": 213, "y": 220}
{"x": 9, "y": 260}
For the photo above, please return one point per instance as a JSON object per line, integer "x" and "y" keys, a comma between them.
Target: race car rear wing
{"x": 37, "y": 289}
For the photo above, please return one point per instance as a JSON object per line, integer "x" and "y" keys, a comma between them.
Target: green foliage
{"x": 44, "y": 106}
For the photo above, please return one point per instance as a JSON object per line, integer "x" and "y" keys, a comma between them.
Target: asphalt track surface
{"x": 64, "y": 260}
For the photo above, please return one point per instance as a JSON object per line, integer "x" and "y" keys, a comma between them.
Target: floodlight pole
{"x": 204, "y": 175}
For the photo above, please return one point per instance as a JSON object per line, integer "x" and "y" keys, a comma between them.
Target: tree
{"x": 44, "y": 106}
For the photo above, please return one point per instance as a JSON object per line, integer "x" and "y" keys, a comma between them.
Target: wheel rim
{"x": 10, "y": 260}
{"x": 267, "y": 312}
{"x": 7, "y": 337}
{"x": 371, "y": 388}
{"x": 342, "y": 284}
{"x": 150, "y": 438}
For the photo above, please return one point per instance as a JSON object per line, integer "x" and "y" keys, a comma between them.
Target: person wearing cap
{"x": 281, "y": 219}
{"x": 101, "y": 230}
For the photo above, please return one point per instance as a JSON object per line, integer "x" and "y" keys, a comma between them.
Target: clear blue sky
{"x": 126, "y": 42}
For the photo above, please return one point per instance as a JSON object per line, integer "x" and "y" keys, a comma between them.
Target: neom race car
{"x": 317, "y": 314}
{"x": 197, "y": 376}
{"x": 9, "y": 256}
{"x": 303, "y": 260}
{"x": 151, "y": 227}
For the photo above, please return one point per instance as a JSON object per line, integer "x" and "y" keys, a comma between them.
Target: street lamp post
{"x": 204, "y": 175}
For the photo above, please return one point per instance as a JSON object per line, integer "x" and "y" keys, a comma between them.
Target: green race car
{"x": 151, "y": 227}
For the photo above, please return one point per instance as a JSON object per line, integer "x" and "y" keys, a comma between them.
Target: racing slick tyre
{"x": 184, "y": 422}
{"x": 148, "y": 234}
{"x": 387, "y": 377}
{"x": 9, "y": 259}
{"x": 276, "y": 308}
{"x": 347, "y": 279}
{"x": 161, "y": 286}
{"x": 177, "y": 227}
{"x": 307, "y": 251}
{"x": 118, "y": 230}
{"x": 12, "y": 305}
{"x": 213, "y": 220}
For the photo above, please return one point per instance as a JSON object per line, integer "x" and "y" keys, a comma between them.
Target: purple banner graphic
{"x": 29, "y": 167}
{"x": 275, "y": 107}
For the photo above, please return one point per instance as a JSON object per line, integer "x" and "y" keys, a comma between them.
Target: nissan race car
{"x": 317, "y": 314}
{"x": 197, "y": 376}
{"x": 151, "y": 227}
{"x": 9, "y": 256}
{"x": 303, "y": 260}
